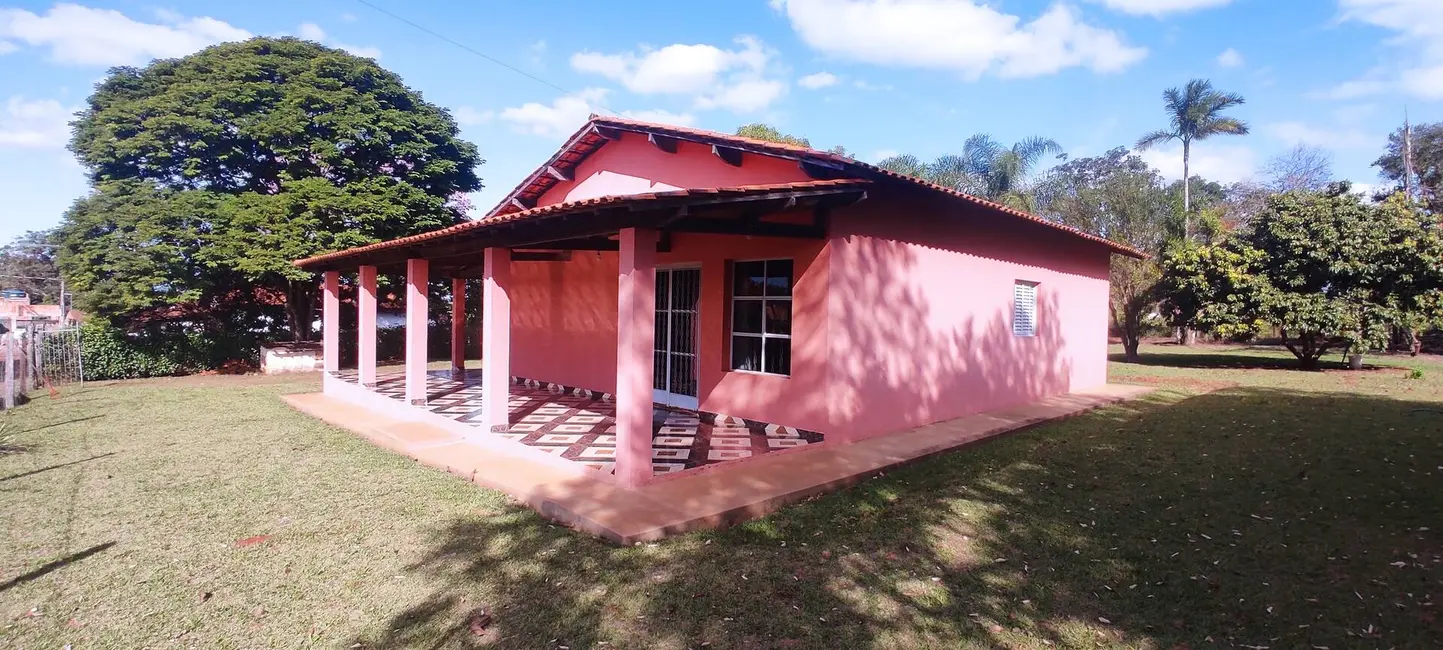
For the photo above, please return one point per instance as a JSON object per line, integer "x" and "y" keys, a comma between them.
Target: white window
{"x": 1024, "y": 308}
{"x": 761, "y": 318}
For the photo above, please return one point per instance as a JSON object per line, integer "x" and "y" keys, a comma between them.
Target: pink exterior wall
{"x": 633, "y": 166}
{"x": 564, "y": 326}
{"x": 921, "y": 313}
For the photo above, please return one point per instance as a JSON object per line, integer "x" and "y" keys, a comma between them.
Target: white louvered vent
{"x": 1024, "y": 308}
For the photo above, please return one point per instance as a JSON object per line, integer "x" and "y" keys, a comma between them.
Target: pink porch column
{"x": 635, "y": 340}
{"x": 496, "y": 341}
{"x": 417, "y": 276}
{"x": 331, "y": 321}
{"x": 366, "y": 326}
{"x": 458, "y": 328}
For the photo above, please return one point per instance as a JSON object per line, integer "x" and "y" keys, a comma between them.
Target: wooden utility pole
{"x": 9, "y": 340}
{"x": 1407, "y": 155}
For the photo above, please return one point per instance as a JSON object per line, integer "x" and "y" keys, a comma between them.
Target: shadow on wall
{"x": 1131, "y": 526}
{"x": 917, "y": 340}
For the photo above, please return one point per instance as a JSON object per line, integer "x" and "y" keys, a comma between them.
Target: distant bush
{"x": 109, "y": 352}
{"x": 1416, "y": 373}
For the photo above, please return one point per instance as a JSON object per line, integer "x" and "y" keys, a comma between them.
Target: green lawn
{"x": 1241, "y": 505}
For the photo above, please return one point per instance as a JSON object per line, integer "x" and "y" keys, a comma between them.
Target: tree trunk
{"x": 1186, "y": 190}
{"x": 298, "y": 310}
{"x": 1131, "y": 332}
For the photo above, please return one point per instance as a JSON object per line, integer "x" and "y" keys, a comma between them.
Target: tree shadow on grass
{"x": 1247, "y": 516}
{"x": 1222, "y": 360}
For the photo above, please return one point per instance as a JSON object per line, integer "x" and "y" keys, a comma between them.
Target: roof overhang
{"x": 818, "y": 165}
{"x": 540, "y": 233}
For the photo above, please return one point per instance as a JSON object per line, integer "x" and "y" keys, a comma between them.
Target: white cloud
{"x": 313, "y": 32}
{"x": 536, "y": 54}
{"x": 743, "y": 96}
{"x": 818, "y": 80}
{"x": 7, "y": 47}
{"x": 1224, "y": 163}
{"x": 1334, "y": 138}
{"x": 737, "y": 79}
{"x": 1418, "y": 34}
{"x": 34, "y": 124}
{"x": 558, "y": 119}
{"x": 881, "y": 154}
{"x": 466, "y": 116}
{"x": 1355, "y": 113}
{"x": 662, "y": 117}
{"x": 958, "y": 35}
{"x": 1159, "y": 7}
{"x": 1230, "y": 58}
{"x": 105, "y": 37}
{"x": 863, "y": 85}
{"x": 1356, "y": 88}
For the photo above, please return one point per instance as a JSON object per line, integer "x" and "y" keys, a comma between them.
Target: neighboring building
{"x": 16, "y": 303}
{"x": 751, "y": 282}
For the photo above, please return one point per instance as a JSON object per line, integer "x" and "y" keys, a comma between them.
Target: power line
{"x": 31, "y": 277}
{"x": 488, "y": 57}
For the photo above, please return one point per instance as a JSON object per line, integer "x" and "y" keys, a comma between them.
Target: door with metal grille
{"x": 674, "y": 374}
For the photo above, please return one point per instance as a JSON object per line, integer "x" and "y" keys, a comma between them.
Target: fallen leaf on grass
{"x": 477, "y": 622}
{"x": 251, "y": 541}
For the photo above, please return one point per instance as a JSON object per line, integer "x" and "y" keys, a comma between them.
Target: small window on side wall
{"x": 1024, "y": 308}
{"x": 761, "y": 317}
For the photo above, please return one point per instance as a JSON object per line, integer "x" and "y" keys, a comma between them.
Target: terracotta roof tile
{"x": 806, "y": 153}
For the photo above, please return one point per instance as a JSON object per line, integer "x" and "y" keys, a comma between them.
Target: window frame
{"x": 1032, "y": 329}
{"x": 763, "y": 336}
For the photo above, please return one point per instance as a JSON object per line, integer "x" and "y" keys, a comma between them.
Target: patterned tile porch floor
{"x": 582, "y": 427}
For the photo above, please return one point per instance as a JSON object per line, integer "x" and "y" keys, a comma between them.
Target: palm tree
{"x": 984, "y": 168}
{"x": 1196, "y": 114}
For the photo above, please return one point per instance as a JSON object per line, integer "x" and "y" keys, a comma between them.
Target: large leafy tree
{"x": 984, "y": 168}
{"x": 763, "y": 131}
{"x": 213, "y": 171}
{"x": 1194, "y": 113}
{"x": 1300, "y": 168}
{"x": 1427, "y": 180}
{"x": 1326, "y": 269}
{"x": 1117, "y": 196}
{"x": 28, "y": 263}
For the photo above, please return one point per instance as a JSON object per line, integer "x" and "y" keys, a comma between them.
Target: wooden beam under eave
{"x": 557, "y": 174}
{"x": 519, "y": 204}
{"x": 820, "y": 171}
{"x": 662, "y": 142}
{"x": 759, "y": 229}
{"x": 728, "y": 155}
{"x": 541, "y": 256}
{"x": 606, "y": 132}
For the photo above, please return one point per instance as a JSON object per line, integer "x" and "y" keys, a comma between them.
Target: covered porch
{"x": 579, "y": 425}
{"x": 624, "y": 434}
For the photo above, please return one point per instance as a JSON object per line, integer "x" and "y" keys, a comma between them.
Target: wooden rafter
{"x": 662, "y": 142}
{"x": 728, "y": 155}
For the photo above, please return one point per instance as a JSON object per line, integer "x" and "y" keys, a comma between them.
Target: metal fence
{"x": 38, "y": 357}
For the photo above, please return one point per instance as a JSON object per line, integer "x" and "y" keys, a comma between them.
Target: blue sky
{"x": 877, "y": 76}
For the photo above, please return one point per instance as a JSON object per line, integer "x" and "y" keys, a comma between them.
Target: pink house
{"x": 660, "y": 300}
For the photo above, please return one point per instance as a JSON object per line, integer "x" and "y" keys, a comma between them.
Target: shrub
{"x": 109, "y": 352}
